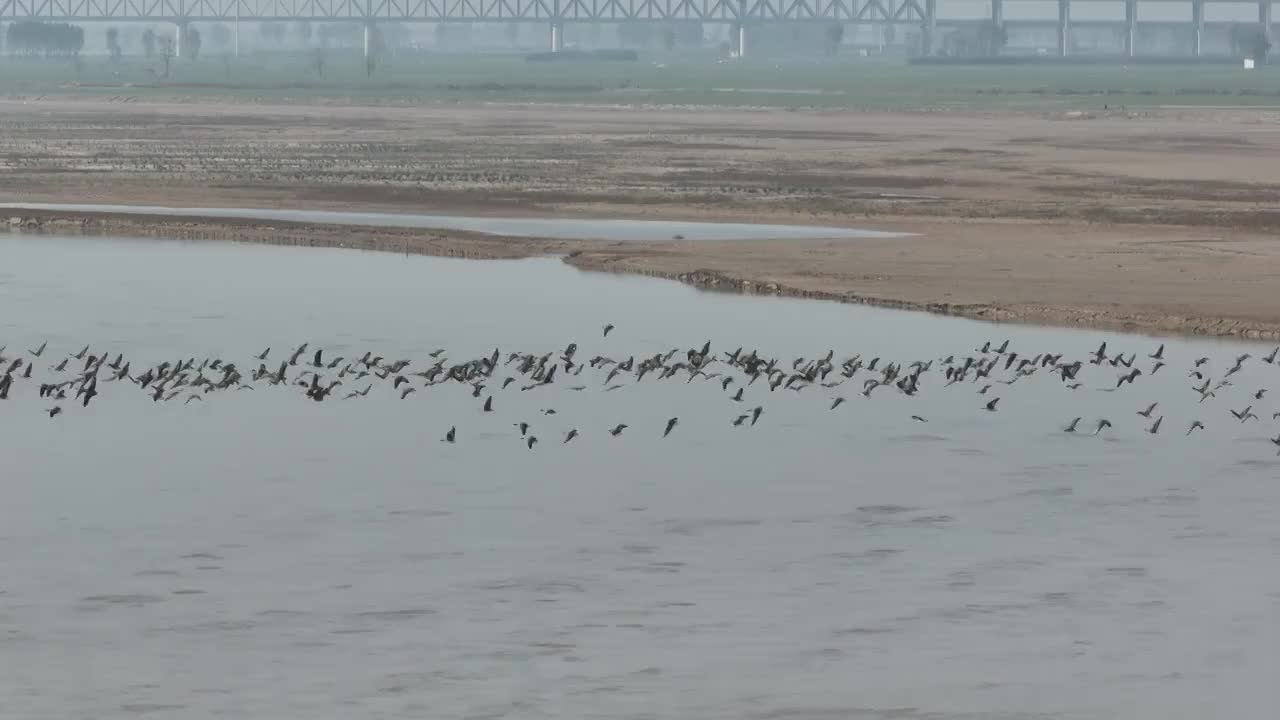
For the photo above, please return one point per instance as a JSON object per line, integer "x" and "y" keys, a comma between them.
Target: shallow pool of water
{"x": 257, "y": 554}
{"x": 560, "y": 228}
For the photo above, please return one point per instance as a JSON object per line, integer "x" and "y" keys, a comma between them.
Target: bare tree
{"x": 166, "y": 52}
{"x": 113, "y": 44}
{"x": 318, "y": 61}
{"x": 191, "y": 41}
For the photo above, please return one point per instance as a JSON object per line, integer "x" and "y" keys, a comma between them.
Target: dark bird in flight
{"x": 1072, "y": 427}
{"x": 40, "y": 350}
{"x": 836, "y": 403}
{"x": 573, "y": 433}
{"x": 1258, "y": 395}
{"x": 991, "y": 406}
{"x": 531, "y": 442}
{"x": 671, "y": 424}
{"x": 1103, "y": 423}
{"x": 608, "y": 329}
{"x": 60, "y": 366}
{"x": 1244, "y": 414}
{"x": 524, "y": 428}
{"x": 919, "y": 419}
{"x": 54, "y": 411}
{"x": 738, "y": 396}
{"x": 1158, "y": 354}
{"x": 83, "y": 351}
{"x": 1155, "y": 427}
{"x": 488, "y": 404}
{"x": 755, "y": 414}
{"x": 408, "y": 391}
{"x": 1272, "y": 357}
{"x": 618, "y": 430}
{"x": 1147, "y": 413}
{"x": 451, "y": 435}
{"x": 1128, "y": 377}
{"x": 1195, "y": 425}
{"x": 264, "y": 353}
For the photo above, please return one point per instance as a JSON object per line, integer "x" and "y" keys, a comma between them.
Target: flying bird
{"x": 671, "y": 424}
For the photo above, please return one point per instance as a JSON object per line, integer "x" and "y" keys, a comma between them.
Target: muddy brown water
{"x": 260, "y": 555}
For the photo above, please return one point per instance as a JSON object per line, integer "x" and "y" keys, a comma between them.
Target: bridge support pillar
{"x": 997, "y": 25}
{"x": 1264, "y": 19}
{"x": 929, "y": 26}
{"x": 557, "y": 36}
{"x": 1064, "y": 27}
{"x": 1197, "y": 27}
{"x": 180, "y": 34}
{"x": 1130, "y": 27}
{"x": 368, "y": 39}
{"x": 740, "y": 40}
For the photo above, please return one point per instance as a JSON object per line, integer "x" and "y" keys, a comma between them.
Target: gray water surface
{"x": 259, "y": 555}
{"x": 560, "y": 228}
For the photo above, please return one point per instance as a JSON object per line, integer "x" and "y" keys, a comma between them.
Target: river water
{"x": 559, "y": 228}
{"x": 259, "y": 555}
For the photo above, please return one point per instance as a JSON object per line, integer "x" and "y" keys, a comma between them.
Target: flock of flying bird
{"x": 76, "y": 377}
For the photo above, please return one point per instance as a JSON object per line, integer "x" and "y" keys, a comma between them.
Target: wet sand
{"x": 1155, "y": 222}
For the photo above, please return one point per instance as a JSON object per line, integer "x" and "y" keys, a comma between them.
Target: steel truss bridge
{"x": 742, "y": 14}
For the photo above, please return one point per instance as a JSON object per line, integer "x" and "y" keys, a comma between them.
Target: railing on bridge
{"x": 740, "y": 13}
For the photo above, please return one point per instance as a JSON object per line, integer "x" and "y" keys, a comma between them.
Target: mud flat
{"x": 1156, "y": 221}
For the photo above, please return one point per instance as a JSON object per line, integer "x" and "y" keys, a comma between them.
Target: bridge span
{"x": 741, "y": 15}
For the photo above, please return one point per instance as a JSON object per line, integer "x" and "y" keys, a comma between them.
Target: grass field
{"x": 850, "y": 83}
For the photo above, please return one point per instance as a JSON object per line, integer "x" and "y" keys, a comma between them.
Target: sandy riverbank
{"x": 1160, "y": 222}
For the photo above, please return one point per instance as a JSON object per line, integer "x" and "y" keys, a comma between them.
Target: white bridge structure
{"x": 741, "y": 15}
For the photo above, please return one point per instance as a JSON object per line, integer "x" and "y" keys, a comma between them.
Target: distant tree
{"x": 992, "y": 38}
{"x": 148, "y": 43}
{"x": 219, "y": 36}
{"x": 192, "y": 43}
{"x": 166, "y": 48}
{"x": 1250, "y": 41}
{"x": 273, "y": 33}
{"x": 634, "y": 34}
{"x": 48, "y": 39}
{"x": 319, "y": 61}
{"x": 113, "y": 44}
{"x": 668, "y": 37}
{"x": 377, "y": 46}
{"x": 832, "y": 36}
